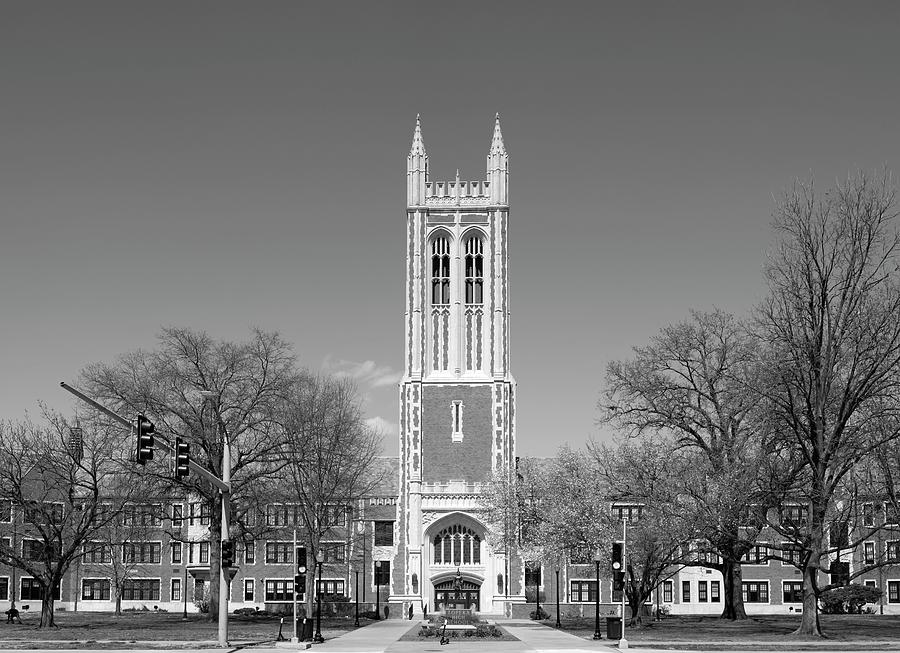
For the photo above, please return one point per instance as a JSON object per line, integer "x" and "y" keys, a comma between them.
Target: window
{"x": 95, "y": 589}
{"x": 795, "y": 515}
{"x": 30, "y": 590}
{"x": 283, "y": 514}
{"x": 869, "y": 553}
{"x": 250, "y": 552}
{"x": 868, "y": 517}
{"x": 177, "y": 514}
{"x": 176, "y": 552}
{"x": 702, "y": 592}
{"x": 333, "y": 587}
{"x": 474, "y": 270}
{"x": 793, "y": 591}
{"x": 335, "y": 516}
{"x": 35, "y": 551}
{"x": 97, "y": 553}
{"x": 685, "y": 591}
{"x": 457, "y": 545}
{"x": 199, "y": 512}
{"x": 709, "y": 558}
{"x": 440, "y": 271}
{"x": 384, "y": 533}
{"x": 142, "y": 553}
{"x": 4, "y": 588}
{"x": 248, "y": 590}
{"x": 142, "y": 515}
{"x": 667, "y": 591}
{"x": 333, "y": 552}
{"x": 891, "y": 514}
{"x": 758, "y": 554}
{"x": 627, "y": 513}
{"x": 140, "y": 589}
{"x": 790, "y": 553}
{"x": 839, "y": 535}
{"x": 279, "y": 553}
{"x": 280, "y": 590}
{"x": 382, "y": 572}
{"x": 43, "y": 512}
{"x": 532, "y": 574}
{"x": 175, "y": 589}
{"x": 583, "y": 591}
{"x": 715, "y": 595}
{"x": 755, "y": 591}
{"x": 456, "y": 413}
{"x": 893, "y": 591}
{"x": 5, "y": 510}
{"x": 893, "y": 551}
{"x": 204, "y": 553}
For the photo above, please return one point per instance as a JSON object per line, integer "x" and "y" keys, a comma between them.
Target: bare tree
{"x": 697, "y": 381}
{"x": 208, "y": 392}
{"x": 330, "y": 453}
{"x": 831, "y": 321}
{"x": 57, "y": 480}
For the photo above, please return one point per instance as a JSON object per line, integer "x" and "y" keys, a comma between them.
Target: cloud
{"x": 385, "y": 427}
{"x": 367, "y": 373}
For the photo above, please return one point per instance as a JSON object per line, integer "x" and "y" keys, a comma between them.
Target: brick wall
{"x": 443, "y": 459}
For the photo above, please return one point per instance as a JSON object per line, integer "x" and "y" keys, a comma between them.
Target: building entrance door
{"x": 464, "y": 597}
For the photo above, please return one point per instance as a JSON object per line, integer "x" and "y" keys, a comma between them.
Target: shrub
{"x": 850, "y": 599}
{"x": 538, "y": 614}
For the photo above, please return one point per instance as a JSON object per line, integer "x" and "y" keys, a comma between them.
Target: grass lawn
{"x": 769, "y": 628}
{"x": 152, "y": 626}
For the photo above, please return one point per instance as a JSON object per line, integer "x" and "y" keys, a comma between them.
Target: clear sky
{"x": 220, "y": 165}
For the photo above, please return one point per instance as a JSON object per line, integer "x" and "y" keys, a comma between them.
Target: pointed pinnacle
{"x": 497, "y": 146}
{"x": 418, "y": 145}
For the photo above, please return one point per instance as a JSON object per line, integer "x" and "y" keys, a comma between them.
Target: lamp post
{"x": 557, "y": 599}
{"x": 597, "y": 634}
{"x": 317, "y": 638}
{"x": 356, "y": 596}
{"x": 377, "y": 589}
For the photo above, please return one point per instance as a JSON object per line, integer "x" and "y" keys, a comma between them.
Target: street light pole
{"x": 377, "y": 589}
{"x": 356, "y": 596}
{"x": 557, "y": 598}
{"x": 317, "y": 638}
{"x": 597, "y": 634}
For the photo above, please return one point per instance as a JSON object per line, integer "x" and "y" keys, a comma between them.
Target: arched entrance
{"x": 456, "y": 595}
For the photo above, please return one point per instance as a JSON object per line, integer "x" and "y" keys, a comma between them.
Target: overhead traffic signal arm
{"x": 159, "y": 441}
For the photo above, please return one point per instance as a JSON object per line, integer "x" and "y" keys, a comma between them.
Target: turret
{"x": 498, "y": 167}
{"x": 416, "y": 169}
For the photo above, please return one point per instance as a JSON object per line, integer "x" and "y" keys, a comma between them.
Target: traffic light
{"x": 616, "y": 556}
{"x": 618, "y": 581}
{"x": 145, "y": 431}
{"x": 182, "y": 458}
{"x": 300, "y": 581}
{"x": 227, "y": 553}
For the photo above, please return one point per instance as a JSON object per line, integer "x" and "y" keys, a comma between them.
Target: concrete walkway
{"x": 383, "y": 636}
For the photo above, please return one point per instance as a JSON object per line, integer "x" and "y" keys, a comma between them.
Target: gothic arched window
{"x": 457, "y": 545}
{"x": 474, "y": 270}
{"x": 440, "y": 271}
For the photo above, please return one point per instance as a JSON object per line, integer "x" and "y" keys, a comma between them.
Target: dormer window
{"x": 474, "y": 270}
{"x": 440, "y": 271}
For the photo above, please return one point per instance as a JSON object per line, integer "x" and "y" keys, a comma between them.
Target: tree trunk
{"x": 809, "y": 620}
{"x": 733, "y": 594}
{"x": 118, "y": 602}
{"x": 47, "y": 608}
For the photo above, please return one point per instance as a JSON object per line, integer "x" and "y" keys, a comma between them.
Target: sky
{"x": 224, "y": 166}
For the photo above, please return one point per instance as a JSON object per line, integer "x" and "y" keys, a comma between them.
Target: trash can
{"x": 305, "y": 629}
{"x": 613, "y": 628}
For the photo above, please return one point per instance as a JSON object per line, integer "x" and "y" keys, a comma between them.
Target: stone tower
{"x": 457, "y": 396}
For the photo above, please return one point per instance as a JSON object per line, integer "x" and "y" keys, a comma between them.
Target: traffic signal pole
{"x": 223, "y": 485}
{"x": 623, "y": 643}
{"x": 226, "y": 519}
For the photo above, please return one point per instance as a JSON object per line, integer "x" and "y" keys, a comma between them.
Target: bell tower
{"x": 457, "y": 395}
